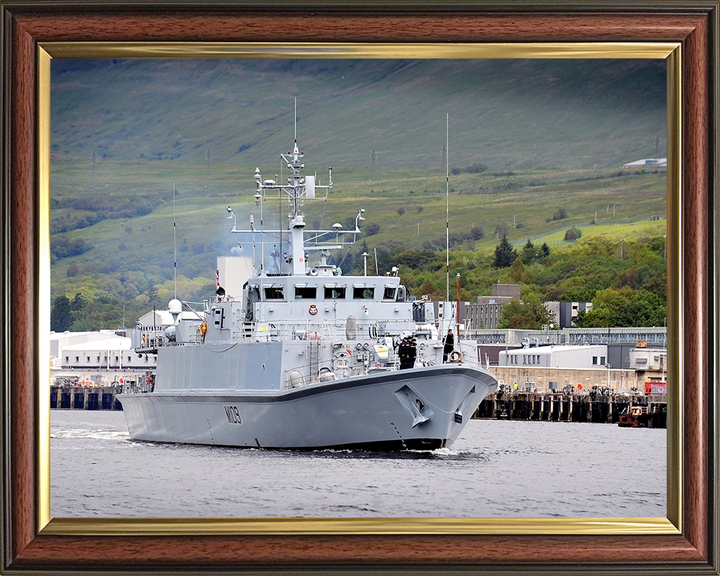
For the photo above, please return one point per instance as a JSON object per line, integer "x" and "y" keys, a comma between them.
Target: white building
{"x": 110, "y": 354}
{"x": 648, "y": 359}
{"x": 114, "y": 353}
{"x": 99, "y": 358}
{"x": 647, "y": 163}
{"x": 60, "y": 340}
{"x": 592, "y": 356}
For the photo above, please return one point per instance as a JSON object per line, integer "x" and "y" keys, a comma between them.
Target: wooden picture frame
{"x": 686, "y": 542}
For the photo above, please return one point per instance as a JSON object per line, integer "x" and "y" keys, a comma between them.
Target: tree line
{"x": 627, "y": 285}
{"x": 99, "y": 207}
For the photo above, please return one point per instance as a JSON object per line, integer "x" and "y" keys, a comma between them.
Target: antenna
{"x": 457, "y": 310}
{"x": 447, "y": 207}
{"x": 295, "y": 119}
{"x": 174, "y": 244}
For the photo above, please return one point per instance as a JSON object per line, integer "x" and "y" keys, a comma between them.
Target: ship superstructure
{"x": 306, "y": 357}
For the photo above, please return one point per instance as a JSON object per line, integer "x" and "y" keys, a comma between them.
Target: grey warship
{"x": 305, "y": 357}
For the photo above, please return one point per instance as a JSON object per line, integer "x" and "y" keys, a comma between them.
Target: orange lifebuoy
{"x": 455, "y": 356}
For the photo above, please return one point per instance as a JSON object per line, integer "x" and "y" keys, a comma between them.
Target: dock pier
{"x": 560, "y": 407}
{"x": 85, "y": 397}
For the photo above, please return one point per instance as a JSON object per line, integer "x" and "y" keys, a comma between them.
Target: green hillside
{"x": 506, "y": 114}
{"x": 540, "y": 135}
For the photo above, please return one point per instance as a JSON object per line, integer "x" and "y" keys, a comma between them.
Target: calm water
{"x": 495, "y": 469}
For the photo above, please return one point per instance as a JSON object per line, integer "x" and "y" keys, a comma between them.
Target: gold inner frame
{"x": 669, "y": 51}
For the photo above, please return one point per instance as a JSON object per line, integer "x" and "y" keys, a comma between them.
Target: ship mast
{"x": 297, "y": 189}
{"x": 297, "y": 221}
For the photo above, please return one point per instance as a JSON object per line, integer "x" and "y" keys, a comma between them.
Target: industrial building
{"x": 582, "y": 357}
{"x": 99, "y": 358}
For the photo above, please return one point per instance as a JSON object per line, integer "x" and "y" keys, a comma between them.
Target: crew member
{"x": 404, "y": 353}
{"x": 448, "y": 345}
{"x": 411, "y": 352}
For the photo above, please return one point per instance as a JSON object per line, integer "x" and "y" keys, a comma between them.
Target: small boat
{"x": 634, "y": 417}
{"x": 303, "y": 357}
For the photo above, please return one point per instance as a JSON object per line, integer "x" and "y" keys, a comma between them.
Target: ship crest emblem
{"x": 313, "y": 309}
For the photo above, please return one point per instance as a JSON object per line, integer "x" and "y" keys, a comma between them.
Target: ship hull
{"x": 421, "y": 408}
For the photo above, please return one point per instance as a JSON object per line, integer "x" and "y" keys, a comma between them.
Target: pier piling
{"x": 560, "y": 407}
{"x": 85, "y": 397}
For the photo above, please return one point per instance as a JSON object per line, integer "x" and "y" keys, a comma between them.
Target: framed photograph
{"x": 684, "y": 34}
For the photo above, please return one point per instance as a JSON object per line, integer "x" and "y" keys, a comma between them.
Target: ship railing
{"x": 327, "y": 371}
{"x": 147, "y": 341}
{"x": 310, "y": 373}
{"x": 316, "y": 369}
{"x": 321, "y": 330}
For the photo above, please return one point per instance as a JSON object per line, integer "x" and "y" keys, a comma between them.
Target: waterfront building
{"x": 97, "y": 358}
{"x": 108, "y": 354}
{"x": 644, "y": 358}
{"x": 593, "y": 356}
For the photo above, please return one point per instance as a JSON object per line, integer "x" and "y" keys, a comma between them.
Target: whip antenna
{"x": 174, "y": 244}
{"x": 447, "y": 207}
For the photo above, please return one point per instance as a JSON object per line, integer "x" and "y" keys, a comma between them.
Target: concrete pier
{"x": 85, "y": 397}
{"x": 558, "y": 407}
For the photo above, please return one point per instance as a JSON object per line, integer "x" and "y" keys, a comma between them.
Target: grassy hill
{"x": 506, "y": 114}
{"x": 551, "y": 134}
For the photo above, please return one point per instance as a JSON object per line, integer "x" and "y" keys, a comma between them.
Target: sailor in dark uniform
{"x": 411, "y": 352}
{"x": 448, "y": 346}
{"x": 407, "y": 351}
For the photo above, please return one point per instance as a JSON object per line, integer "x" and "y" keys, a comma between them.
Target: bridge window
{"x": 364, "y": 293}
{"x": 389, "y": 293}
{"x": 305, "y": 292}
{"x": 274, "y": 293}
{"x": 335, "y": 292}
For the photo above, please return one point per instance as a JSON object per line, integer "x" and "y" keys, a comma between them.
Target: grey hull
{"x": 421, "y": 408}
